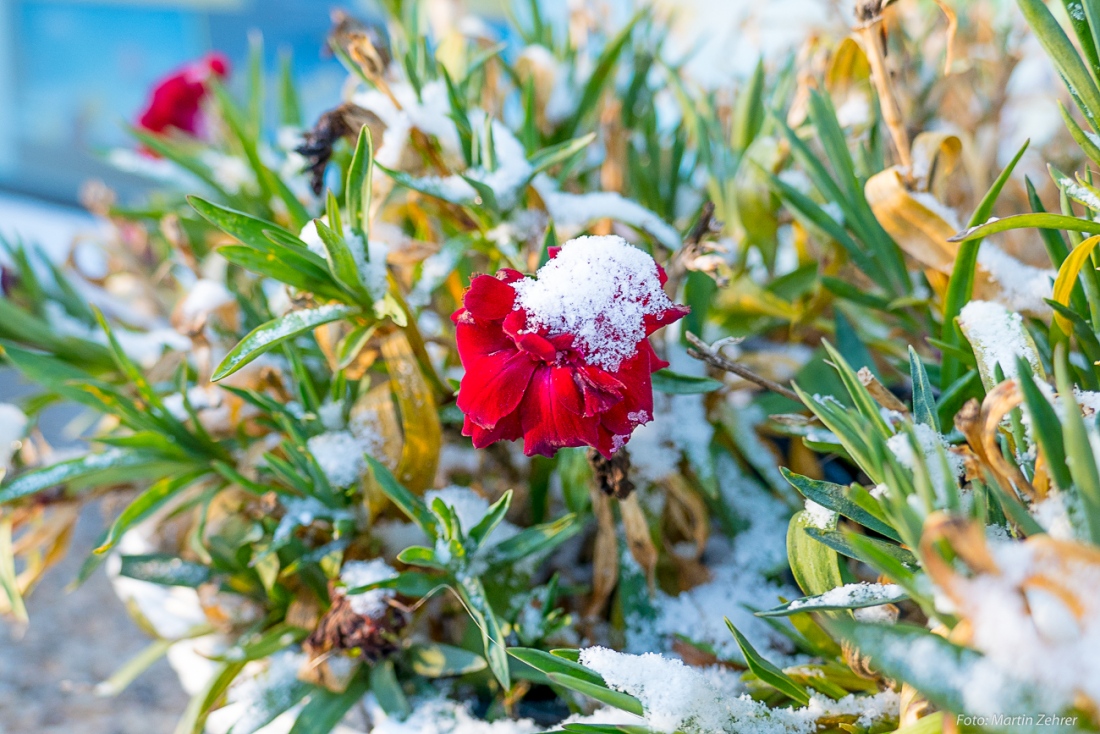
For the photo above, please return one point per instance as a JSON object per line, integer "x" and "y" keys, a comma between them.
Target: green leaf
{"x": 283, "y": 269}
{"x": 358, "y": 187}
{"x": 290, "y": 107}
{"x": 675, "y": 383}
{"x": 767, "y": 672}
{"x": 599, "y": 692}
{"x": 105, "y": 463}
{"x": 418, "y": 555}
{"x": 493, "y": 516}
{"x": 165, "y": 569}
{"x": 472, "y": 594}
{"x": 555, "y": 665}
{"x": 263, "y": 338}
{"x": 194, "y": 716}
{"x": 913, "y": 655}
{"x": 1037, "y": 220}
{"x": 924, "y": 403}
{"x": 1082, "y": 461}
{"x": 816, "y": 568}
{"x": 749, "y": 111}
{"x": 601, "y": 75}
{"x": 413, "y": 506}
{"x": 145, "y": 504}
{"x": 822, "y": 602}
{"x": 1065, "y": 57}
{"x": 606, "y": 729}
{"x": 436, "y": 660}
{"x": 840, "y": 543}
{"x": 387, "y": 689}
{"x": 182, "y": 154}
{"x": 269, "y": 642}
{"x": 274, "y": 698}
{"x": 555, "y": 154}
{"x": 835, "y": 497}
{"x": 866, "y": 404}
{"x": 341, "y": 261}
{"x": 1046, "y": 428}
{"x": 325, "y": 709}
{"x": 535, "y": 540}
{"x": 133, "y": 667}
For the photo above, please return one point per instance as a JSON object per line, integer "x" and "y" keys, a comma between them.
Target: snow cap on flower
{"x": 563, "y": 359}
{"x": 176, "y": 101}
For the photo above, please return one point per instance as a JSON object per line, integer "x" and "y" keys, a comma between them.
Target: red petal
{"x": 655, "y": 362}
{"x": 507, "y": 429}
{"x": 666, "y": 317}
{"x": 496, "y": 372}
{"x": 552, "y": 252}
{"x": 600, "y": 389}
{"x": 217, "y": 63}
{"x": 515, "y": 325}
{"x": 548, "y": 422}
{"x": 488, "y": 298}
{"x": 636, "y": 407}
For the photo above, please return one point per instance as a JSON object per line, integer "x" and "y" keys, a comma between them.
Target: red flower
{"x": 177, "y": 99}
{"x": 563, "y": 359}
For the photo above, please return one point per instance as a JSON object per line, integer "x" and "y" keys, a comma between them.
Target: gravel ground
{"x": 76, "y": 639}
{"x": 49, "y": 668}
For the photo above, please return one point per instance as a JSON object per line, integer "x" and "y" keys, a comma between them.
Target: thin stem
{"x": 891, "y": 112}
{"x": 702, "y": 351}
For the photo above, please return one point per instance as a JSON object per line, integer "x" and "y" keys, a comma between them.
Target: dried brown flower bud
{"x": 342, "y": 629}
{"x": 612, "y": 475}
{"x": 343, "y": 121}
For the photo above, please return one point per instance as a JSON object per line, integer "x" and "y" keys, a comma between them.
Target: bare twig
{"x": 873, "y": 39}
{"x": 703, "y": 351}
{"x": 705, "y": 225}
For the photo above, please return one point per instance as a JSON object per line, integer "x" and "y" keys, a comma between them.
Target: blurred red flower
{"x": 176, "y": 101}
{"x": 563, "y": 359}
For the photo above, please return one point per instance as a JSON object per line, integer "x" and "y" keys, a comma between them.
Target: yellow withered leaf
{"x": 419, "y": 414}
{"x": 1067, "y": 278}
{"x": 848, "y": 81}
{"x": 376, "y": 409}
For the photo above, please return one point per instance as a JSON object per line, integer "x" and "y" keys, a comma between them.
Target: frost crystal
{"x": 599, "y": 289}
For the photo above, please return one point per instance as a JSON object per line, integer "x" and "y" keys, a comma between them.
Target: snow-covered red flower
{"x": 563, "y": 359}
{"x": 177, "y": 99}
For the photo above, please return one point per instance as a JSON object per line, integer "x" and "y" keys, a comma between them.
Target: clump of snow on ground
{"x": 340, "y": 456}
{"x": 741, "y": 570}
{"x": 443, "y": 716}
{"x": 1037, "y": 621}
{"x": 676, "y": 697}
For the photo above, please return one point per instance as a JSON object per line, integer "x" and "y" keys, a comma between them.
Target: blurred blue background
{"x": 74, "y": 72}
